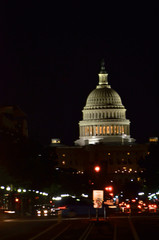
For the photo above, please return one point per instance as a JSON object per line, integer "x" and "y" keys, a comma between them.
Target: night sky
{"x": 50, "y": 58}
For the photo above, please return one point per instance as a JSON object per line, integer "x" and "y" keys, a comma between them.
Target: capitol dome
{"x": 103, "y": 98}
{"x": 104, "y": 115}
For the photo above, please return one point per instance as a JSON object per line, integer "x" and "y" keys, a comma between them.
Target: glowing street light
{"x": 8, "y": 188}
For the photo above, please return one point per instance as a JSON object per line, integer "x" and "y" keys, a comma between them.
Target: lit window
{"x": 96, "y": 130}
{"x": 91, "y": 130}
{"x": 100, "y": 130}
{"x": 108, "y": 130}
{"x": 104, "y": 130}
{"x": 55, "y": 140}
{"x": 111, "y": 129}
{"x": 114, "y": 129}
{"x": 108, "y": 153}
{"x": 86, "y": 131}
{"x": 63, "y": 155}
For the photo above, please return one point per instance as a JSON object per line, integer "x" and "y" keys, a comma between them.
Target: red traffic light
{"x": 109, "y": 188}
{"x": 17, "y": 200}
{"x": 97, "y": 168}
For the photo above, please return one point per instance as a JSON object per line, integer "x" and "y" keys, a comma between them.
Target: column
{"x": 80, "y": 131}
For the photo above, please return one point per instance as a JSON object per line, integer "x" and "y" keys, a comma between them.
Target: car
{"x": 152, "y": 207}
{"x": 46, "y": 210}
{"x": 124, "y": 207}
{"x": 142, "y": 207}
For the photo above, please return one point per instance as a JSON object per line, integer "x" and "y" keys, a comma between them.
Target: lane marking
{"x": 46, "y": 230}
{"x": 135, "y": 235}
{"x": 87, "y": 231}
{"x": 61, "y": 232}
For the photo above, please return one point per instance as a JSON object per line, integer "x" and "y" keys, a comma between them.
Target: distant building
{"x": 13, "y": 121}
{"x": 118, "y": 162}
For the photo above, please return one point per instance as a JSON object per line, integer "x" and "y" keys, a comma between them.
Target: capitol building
{"x": 104, "y": 116}
{"x": 104, "y": 139}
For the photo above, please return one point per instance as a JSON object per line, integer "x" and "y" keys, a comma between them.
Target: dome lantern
{"x": 103, "y": 76}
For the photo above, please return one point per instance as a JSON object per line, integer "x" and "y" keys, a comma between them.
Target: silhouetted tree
{"x": 151, "y": 168}
{"x": 26, "y": 162}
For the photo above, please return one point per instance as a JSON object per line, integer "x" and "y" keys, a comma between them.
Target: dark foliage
{"x": 25, "y": 162}
{"x": 150, "y": 164}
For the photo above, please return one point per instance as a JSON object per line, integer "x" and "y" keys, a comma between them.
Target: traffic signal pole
{"x": 97, "y": 214}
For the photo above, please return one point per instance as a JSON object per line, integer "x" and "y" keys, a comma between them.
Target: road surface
{"x": 115, "y": 228}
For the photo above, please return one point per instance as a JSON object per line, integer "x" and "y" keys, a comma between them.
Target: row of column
{"x": 104, "y": 130}
{"x": 104, "y": 115}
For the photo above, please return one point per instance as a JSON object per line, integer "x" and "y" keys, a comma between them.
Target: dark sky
{"x": 50, "y": 60}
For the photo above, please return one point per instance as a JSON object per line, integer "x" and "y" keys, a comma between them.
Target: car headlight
{"x": 39, "y": 213}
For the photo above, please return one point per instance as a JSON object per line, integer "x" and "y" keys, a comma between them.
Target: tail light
{"x": 152, "y": 206}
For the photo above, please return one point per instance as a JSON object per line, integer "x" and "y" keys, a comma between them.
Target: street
{"x": 115, "y": 228}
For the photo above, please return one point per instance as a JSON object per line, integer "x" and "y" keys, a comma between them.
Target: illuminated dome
{"x": 103, "y": 98}
{"x": 104, "y": 116}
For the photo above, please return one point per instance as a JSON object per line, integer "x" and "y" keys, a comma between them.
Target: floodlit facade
{"x": 104, "y": 116}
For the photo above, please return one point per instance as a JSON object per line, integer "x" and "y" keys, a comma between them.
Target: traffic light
{"x": 109, "y": 188}
{"x": 109, "y": 191}
{"x": 97, "y": 168}
{"x": 17, "y": 200}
